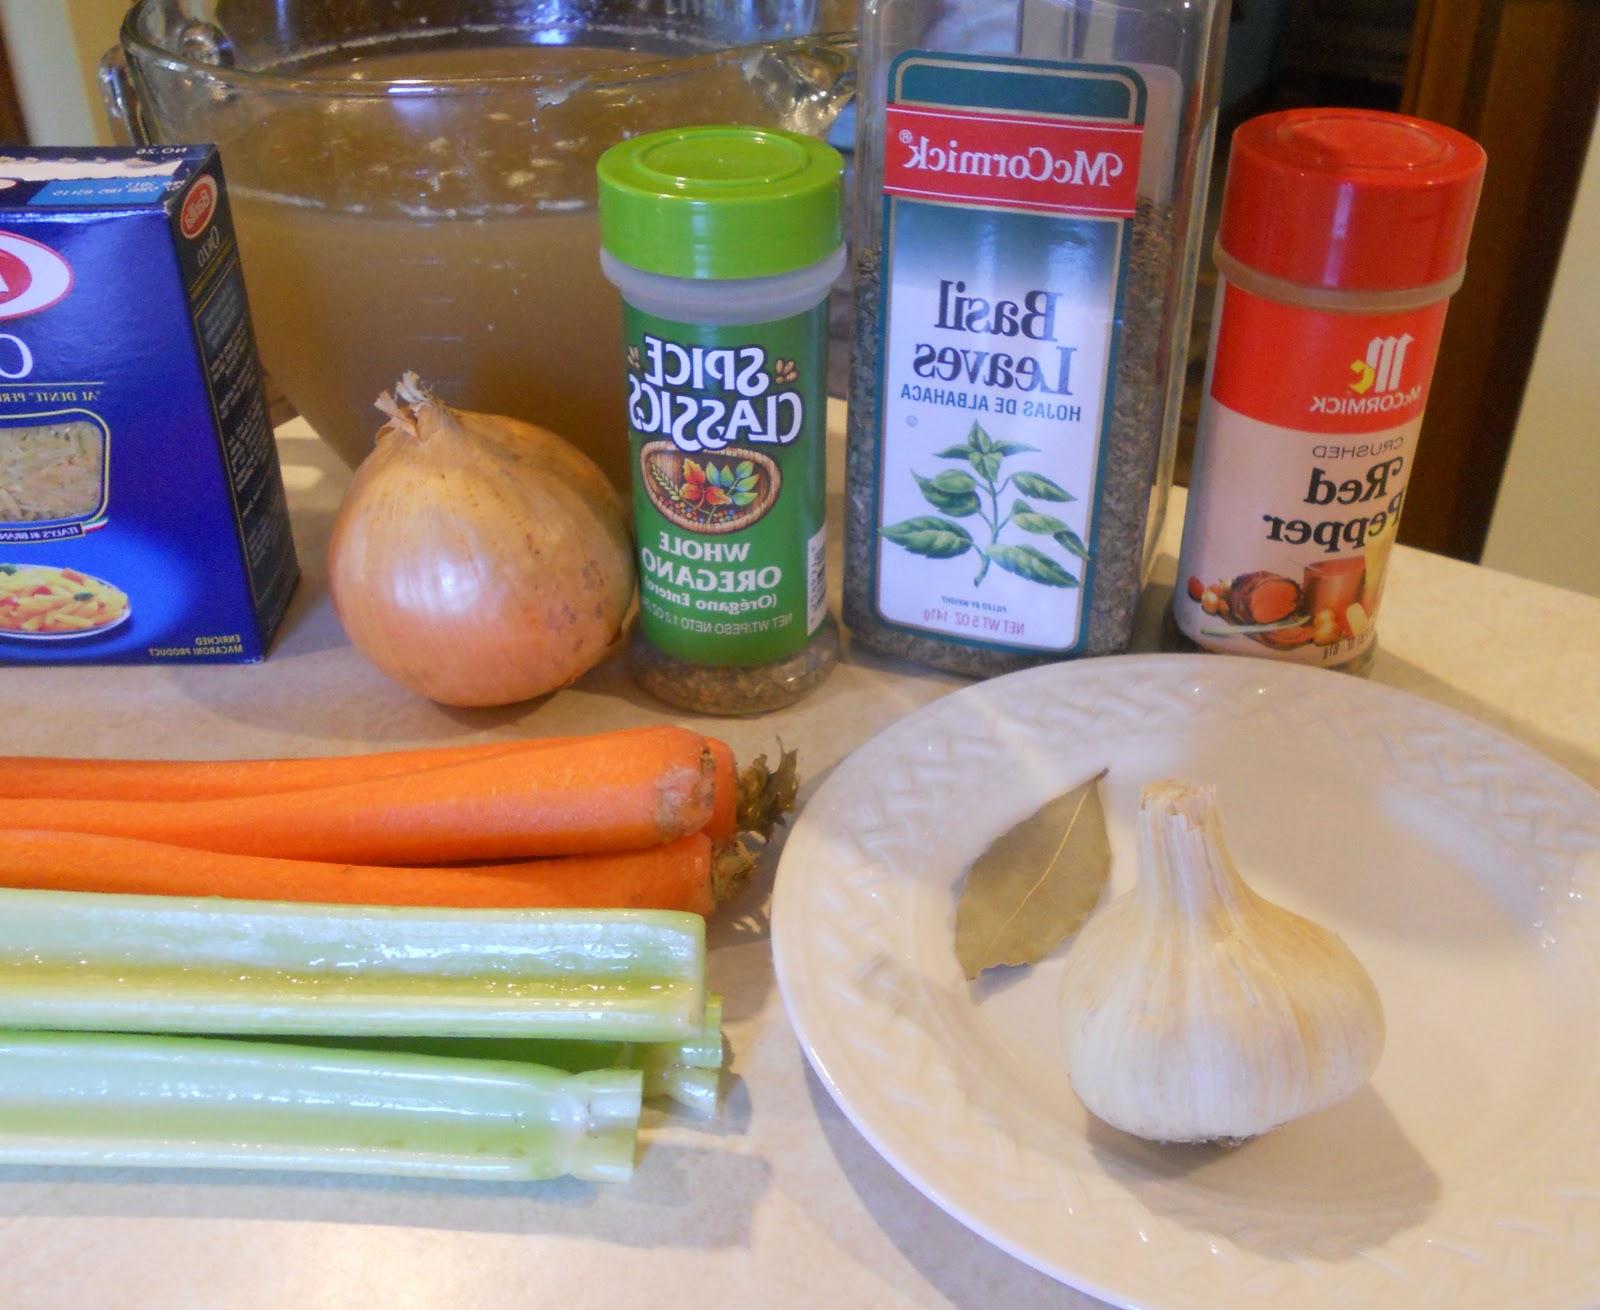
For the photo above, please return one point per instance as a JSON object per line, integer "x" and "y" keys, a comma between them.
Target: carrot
{"x": 724, "y": 825}
{"x": 589, "y": 795}
{"x": 676, "y": 876}
{"x": 24, "y": 777}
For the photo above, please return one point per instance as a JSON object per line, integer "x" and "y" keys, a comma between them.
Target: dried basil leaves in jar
{"x": 1026, "y": 235}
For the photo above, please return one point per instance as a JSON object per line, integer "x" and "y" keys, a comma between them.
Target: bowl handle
{"x": 121, "y": 99}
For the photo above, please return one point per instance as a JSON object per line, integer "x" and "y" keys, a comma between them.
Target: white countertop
{"x": 781, "y": 1202}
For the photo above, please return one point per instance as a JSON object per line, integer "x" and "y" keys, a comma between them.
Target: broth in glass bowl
{"x": 413, "y": 180}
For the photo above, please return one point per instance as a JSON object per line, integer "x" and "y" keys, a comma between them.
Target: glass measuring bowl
{"x": 413, "y": 180}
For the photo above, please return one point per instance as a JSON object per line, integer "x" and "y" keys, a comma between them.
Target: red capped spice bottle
{"x": 1343, "y": 235}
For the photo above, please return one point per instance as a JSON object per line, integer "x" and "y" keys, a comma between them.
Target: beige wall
{"x": 95, "y": 24}
{"x": 1546, "y": 521}
{"x": 55, "y": 46}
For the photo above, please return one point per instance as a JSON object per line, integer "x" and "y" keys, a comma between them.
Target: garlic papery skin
{"x": 1196, "y": 1010}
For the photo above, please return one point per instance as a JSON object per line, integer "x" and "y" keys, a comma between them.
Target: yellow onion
{"x": 476, "y": 559}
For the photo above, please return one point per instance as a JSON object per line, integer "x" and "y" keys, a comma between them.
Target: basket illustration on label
{"x": 981, "y": 495}
{"x": 711, "y": 494}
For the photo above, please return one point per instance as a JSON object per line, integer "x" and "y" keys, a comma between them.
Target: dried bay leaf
{"x": 1036, "y": 883}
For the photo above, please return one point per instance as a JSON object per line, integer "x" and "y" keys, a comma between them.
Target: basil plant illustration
{"x": 979, "y": 494}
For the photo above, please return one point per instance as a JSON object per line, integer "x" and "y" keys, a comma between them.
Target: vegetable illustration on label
{"x": 980, "y": 495}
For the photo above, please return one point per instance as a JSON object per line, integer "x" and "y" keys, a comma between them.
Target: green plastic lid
{"x": 721, "y": 202}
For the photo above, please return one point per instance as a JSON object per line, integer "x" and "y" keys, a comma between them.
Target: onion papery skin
{"x": 479, "y": 561}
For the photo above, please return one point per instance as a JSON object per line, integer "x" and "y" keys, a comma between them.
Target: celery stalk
{"x": 78, "y": 960}
{"x": 704, "y": 1051}
{"x": 196, "y": 1102}
{"x": 701, "y": 1051}
{"x": 688, "y": 1072}
{"x": 697, "y": 1090}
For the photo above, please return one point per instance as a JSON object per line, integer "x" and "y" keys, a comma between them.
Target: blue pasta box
{"x": 142, "y": 514}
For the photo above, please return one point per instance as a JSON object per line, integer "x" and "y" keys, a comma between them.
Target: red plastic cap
{"x": 1350, "y": 199}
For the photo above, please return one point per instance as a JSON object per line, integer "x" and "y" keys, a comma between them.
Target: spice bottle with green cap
{"x": 724, "y": 242}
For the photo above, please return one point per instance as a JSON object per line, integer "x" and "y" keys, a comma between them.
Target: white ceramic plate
{"x": 1462, "y": 867}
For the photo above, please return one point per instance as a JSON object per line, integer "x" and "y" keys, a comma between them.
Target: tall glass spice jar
{"x": 1030, "y": 184}
{"x": 1344, "y": 233}
{"x": 724, "y": 242}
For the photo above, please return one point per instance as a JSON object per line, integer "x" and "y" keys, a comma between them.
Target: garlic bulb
{"x": 1196, "y": 1010}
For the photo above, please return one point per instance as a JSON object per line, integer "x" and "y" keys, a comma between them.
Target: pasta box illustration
{"x": 142, "y": 514}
